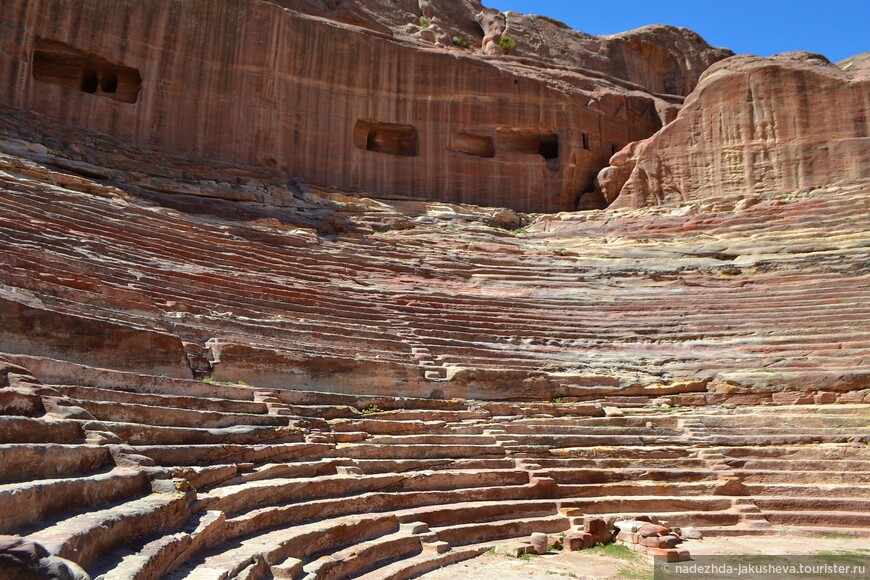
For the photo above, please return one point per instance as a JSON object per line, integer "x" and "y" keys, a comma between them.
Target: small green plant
{"x": 507, "y": 43}
{"x": 614, "y": 551}
{"x": 519, "y": 231}
{"x": 558, "y": 400}
{"x": 834, "y": 536}
{"x": 208, "y": 380}
{"x": 425, "y": 22}
{"x": 460, "y": 42}
{"x": 371, "y": 410}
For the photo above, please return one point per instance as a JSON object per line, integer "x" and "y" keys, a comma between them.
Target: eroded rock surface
{"x": 364, "y": 96}
{"x": 785, "y": 123}
{"x": 749, "y": 293}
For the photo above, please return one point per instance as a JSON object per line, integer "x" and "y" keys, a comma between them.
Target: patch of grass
{"x": 842, "y": 557}
{"x": 507, "y": 43}
{"x": 614, "y": 551}
{"x": 460, "y": 42}
{"x": 837, "y": 537}
{"x": 635, "y": 566}
{"x": 518, "y": 231}
{"x": 554, "y": 548}
{"x": 756, "y": 559}
{"x": 211, "y": 381}
{"x": 558, "y": 400}
{"x": 371, "y": 410}
{"x": 525, "y": 557}
{"x": 632, "y": 573}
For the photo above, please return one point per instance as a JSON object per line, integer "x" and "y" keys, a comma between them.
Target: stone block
{"x": 663, "y": 542}
{"x": 573, "y": 542}
{"x": 595, "y": 526}
{"x": 653, "y": 530}
{"x": 540, "y": 542}
{"x": 669, "y": 555}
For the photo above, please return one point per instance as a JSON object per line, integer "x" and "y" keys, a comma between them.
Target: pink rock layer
{"x": 401, "y": 115}
{"x": 753, "y": 124}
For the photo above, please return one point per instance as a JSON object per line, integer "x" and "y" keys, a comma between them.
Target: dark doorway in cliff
{"x": 109, "y": 83}
{"x": 61, "y": 64}
{"x": 530, "y": 141}
{"x": 477, "y": 145}
{"x": 390, "y": 138}
{"x": 90, "y": 81}
{"x": 549, "y": 148}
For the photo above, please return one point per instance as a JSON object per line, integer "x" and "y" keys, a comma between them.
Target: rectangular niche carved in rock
{"x": 477, "y": 145}
{"x": 61, "y": 64}
{"x": 530, "y": 141}
{"x": 391, "y": 138}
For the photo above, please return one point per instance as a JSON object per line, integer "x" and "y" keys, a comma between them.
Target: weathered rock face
{"x": 354, "y": 95}
{"x": 753, "y": 125}
{"x": 743, "y": 295}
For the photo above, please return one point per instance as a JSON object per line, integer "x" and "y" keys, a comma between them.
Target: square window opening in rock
{"x": 90, "y": 83}
{"x": 389, "y": 138}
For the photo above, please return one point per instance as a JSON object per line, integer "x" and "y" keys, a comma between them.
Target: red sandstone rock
{"x": 574, "y": 542}
{"x": 377, "y": 108}
{"x": 669, "y": 555}
{"x": 652, "y": 530}
{"x": 786, "y": 123}
{"x": 595, "y": 526}
{"x": 540, "y": 542}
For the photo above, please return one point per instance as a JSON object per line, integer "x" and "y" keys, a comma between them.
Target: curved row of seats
{"x": 149, "y": 482}
{"x": 648, "y": 297}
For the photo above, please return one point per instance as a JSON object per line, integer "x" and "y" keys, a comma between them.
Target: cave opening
{"x": 389, "y": 138}
{"x": 90, "y": 82}
{"x": 61, "y": 64}
{"x": 109, "y": 83}
{"x": 530, "y": 141}
{"x": 549, "y": 148}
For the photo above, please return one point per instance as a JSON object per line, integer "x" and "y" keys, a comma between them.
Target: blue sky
{"x": 836, "y": 29}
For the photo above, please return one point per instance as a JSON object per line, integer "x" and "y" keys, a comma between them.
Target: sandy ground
{"x": 597, "y": 566}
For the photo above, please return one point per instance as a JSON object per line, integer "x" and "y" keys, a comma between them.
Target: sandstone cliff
{"x": 364, "y": 96}
{"x": 753, "y": 125}
{"x": 710, "y": 300}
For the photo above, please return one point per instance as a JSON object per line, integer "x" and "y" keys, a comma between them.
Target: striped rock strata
{"x": 354, "y": 95}
{"x": 740, "y": 296}
{"x": 785, "y": 123}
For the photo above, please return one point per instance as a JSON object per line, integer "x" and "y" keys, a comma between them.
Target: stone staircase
{"x": 600, "y": 305}
{"x": 185, "y": 479}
